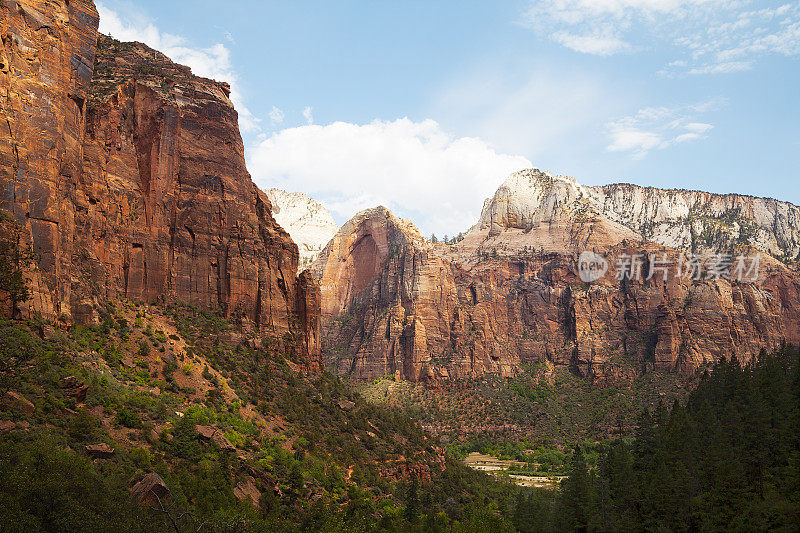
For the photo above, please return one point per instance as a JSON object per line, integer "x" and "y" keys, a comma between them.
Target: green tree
{"x": 574, "y": 494}
{"x": 15, "y": 258}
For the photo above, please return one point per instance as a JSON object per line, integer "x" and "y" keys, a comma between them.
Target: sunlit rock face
{"x": 127, "y": 173}
{"x": 309, "y": 224}
{"x": 534, "y": 202}
{"x": 508, "y": 295}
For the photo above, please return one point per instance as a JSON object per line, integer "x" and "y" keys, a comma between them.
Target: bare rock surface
{"x": 509, "y": 295}
{"x": 151, "y": 490}
{"x": 309, "y": 224}
{"x": 550, "y": 212}
{"x": 127, "y": 173}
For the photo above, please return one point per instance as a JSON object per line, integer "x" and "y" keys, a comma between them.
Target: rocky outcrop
{"x": 557, "y": 213}
{"x": 128, "y": 175}
{"x": 387, "y": 299}
{"x": 99, "y": 451}
{"x": 309, "y": 224}
{"x": 151, "y": 490}
{"x": 394, "y": 304}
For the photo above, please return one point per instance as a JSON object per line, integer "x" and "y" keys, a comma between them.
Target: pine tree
{"x": 574, "y": 496}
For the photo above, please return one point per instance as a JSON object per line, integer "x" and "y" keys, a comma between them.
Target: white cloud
{"x": 276, "y": 115}
{"x": 414, "y": 168}
{"x": 726, "y": 67}
{"x": 629, "y": 139}
{"x": 308, "y": 115}
{"x": 213, "y": 62}
{"x": 713, "y": 36}
{"x": 605, "y": 25}
{"x": 656, "y": 128}
{"x": 596, "y": 43}
{"x": 698, "y": 127}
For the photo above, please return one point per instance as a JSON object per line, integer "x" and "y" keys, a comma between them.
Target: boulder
{"x": 346, "y": 404}
{"x": 74, "y": 388}
{"x": 151, "y": 490}
{"x": 15, "y": 401}
{"x": 213, "y": 434}
{"x": 99, "y": 451}
{"x": 205, "y": 432}
{"x": 247, "y": 490}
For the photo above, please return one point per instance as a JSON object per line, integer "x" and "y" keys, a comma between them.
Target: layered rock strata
{"x": 554, "y": 211}
{"x": 508, "y": 296}
{"x": 128, "y": 175}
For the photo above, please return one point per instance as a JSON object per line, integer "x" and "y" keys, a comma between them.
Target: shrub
{"x": 144, "y": 348}
{"x": 128, "y": 418}
{"x": 141, "y": 457}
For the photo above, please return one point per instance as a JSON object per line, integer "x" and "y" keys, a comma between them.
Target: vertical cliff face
{"x": 45, "y": 73}
{"x": 387, "y": 299}
{"x": 128, "y": 173}
{"x": 508, "y": 295}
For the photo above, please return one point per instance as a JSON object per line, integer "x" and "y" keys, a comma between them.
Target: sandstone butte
{"x": 508, "y": 294}
{"x": 127, "y": 174}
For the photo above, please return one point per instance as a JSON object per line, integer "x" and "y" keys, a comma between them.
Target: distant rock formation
{"x": 127, "y": 173}
{"x": 508, "y": 295}
{"x": 545, "y": 208}
{"x": 309, "y": 224}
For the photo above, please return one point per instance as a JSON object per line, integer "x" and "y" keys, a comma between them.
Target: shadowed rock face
{"x": 394, "y": 304}
{"x": 128, "y": 173}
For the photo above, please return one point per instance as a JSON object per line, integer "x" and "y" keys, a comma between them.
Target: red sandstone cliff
{"x": 128, "y": 174}
{"x": 394, "y": 304}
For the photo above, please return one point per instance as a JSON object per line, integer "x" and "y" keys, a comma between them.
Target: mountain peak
{"x": 307, "y": 221}
{"x": 537, "y": 203}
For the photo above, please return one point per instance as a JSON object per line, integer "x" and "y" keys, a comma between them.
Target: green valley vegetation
{"x": 726, "y": 460}
{"x": 232, "y": 435}
{"x": 530, "y": 411}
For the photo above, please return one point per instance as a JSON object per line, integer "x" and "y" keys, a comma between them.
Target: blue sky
{"x": 426, "y": 106}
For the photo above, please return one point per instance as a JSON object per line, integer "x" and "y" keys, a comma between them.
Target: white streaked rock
{"x": 309, "y": 224}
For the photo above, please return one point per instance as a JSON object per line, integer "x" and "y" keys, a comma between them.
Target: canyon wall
{"x": 128, "y": 174}
{"x": 508, "y": 297}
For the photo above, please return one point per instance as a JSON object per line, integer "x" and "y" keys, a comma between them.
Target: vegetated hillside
{"x": 170, "y": 419}
{"x": 533, "y": 410}
{"x": 726, "y": 460}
